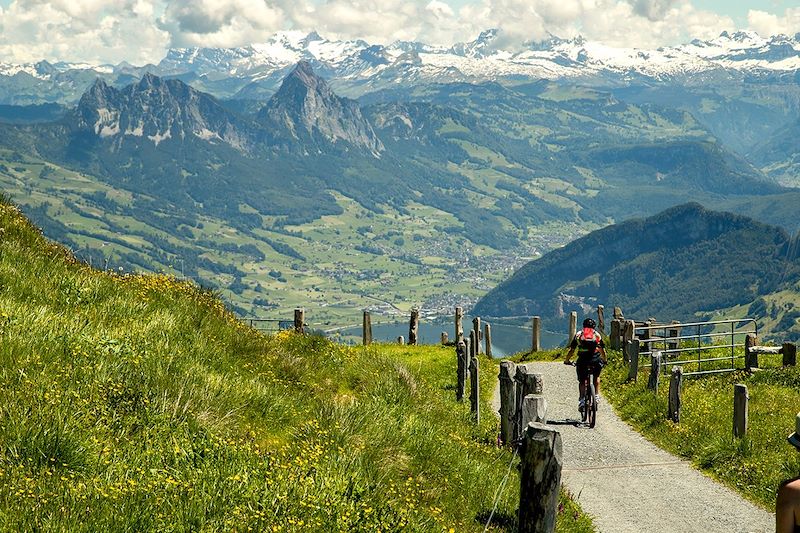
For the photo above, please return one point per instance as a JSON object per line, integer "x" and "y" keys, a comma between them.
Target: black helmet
{"x": 589, "y": 323}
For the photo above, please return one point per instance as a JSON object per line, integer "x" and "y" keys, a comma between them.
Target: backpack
{"x": 588, "y": 341}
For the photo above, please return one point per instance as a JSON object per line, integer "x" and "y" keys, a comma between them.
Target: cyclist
{"x": 591, "y": 358}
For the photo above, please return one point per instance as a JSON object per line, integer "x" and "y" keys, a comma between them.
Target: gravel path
{"x": 626, "y": 483}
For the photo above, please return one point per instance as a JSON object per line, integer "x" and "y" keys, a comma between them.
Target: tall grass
{"x": 138, "y": 403}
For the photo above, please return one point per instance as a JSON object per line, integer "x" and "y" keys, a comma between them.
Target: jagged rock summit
{"x": 157, "y": 110}
{"x": 313, "y": 114}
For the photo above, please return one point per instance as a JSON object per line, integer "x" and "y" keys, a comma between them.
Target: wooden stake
{"x": 299, "y": 320}
{"x": 740, "y": 417}
{"x": 366, "y": 329}
{"x": 655, "y": 371}
{"x": 618, "y": 313}
{"x": 413, "y": 327}
{"x": 632, "y": 356}
{"x": 750, "y": 356}
{"x": 487, "y": 334}
{"x": 789, "y": 352}
{"x": 476, "y": 327}
{"x": 536, "y": 341}
{"x": 615, "y": 340}
{"x": 573, "y": 326}
{"x": 601, "y": 320}
{"x": 459, "y": 326}
{"x": 539, "y": 480}
{"x": 675, "y": 385}
{"x": 401, "y": 340}
{"x": 474, "y": 391}
{"x": 461, "y": 370}
{"x": 508, "y": 407}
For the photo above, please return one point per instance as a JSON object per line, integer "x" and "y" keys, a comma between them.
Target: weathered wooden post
{"x": 508, "y": 397}
{"x": 527, "y": 383}
{"x": 487, "y": 334}
{"x": 573, "y": 326}
{"x": 618, "y": 314}
{"x": 789, "y": 352}
{"x": 413, "y": 327}
{"x": 461, "y": 370}
{"x": 299, "y": 320}
{"x": 473, "y": 343}
{"x": 366, "y": 329}
{"x": 476, "y": 327}
{"x": 632, "y": 356}
{"x": 601, "y": 319}
{"x": 536, "y": 340}
{"x": 459, "y": 326}
{"x": 646, "y": 336}
{"x": 401, "y": 340}
{"x": 614, "y": 337}
{"x": 468, "y": 351}
{"x": 750, "y": 355}
{"x": 628, "y": 332}
{"x": 474, "y": 391}
{"x": 740, "y": 419}
{"x": 534, "y": 409}
{"x": 655, "y": 371}
{"x": 675, "y": 384}
{"x": 674, "y": 332}
{"x": 444, "y": 338}
{"x": 539, "y": 480}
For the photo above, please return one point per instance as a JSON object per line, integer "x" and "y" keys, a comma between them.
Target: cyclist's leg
{"x": 582, "y": 371}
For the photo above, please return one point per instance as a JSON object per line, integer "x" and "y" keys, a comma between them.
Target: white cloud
{"x": 141, "y": 30}
{"x": 768, "y": 24}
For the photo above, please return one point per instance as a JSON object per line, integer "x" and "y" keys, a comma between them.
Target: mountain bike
{"x": 589, "y": 412}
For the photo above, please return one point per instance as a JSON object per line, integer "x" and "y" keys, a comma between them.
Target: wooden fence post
{"x": 476, "y": 327}
{"x": 618, "y": 313}
{"x": 614, "y": 336}
{"x": 646, "y": 337}
{"x": 655, "y": 371}
{"x": 675, "y": 384}
{"x": 789, "y": 352}
{"x": 413, "y": 327}
{"x": 601, "y": 319}
{"x": 674, "y": 332}
{"x": 534, "y": 409}
{"x": 299, "y": 320}
{"x": 401, "y": 340}
{"x": 473, "y": 343}
{"x": 628, "y": 332}
{"x": 527, "y": 382}
{"x": 632, "y": 355}
{"x": 474, "y": 391}
{"x": 740, "y": 398}
{"x": 444, "y": 338}
{"x": 461, "y": 370}
{"x": 459, "y": 326}
{"x": 750, "y": 356}
{"x": 366, "y": 329}
{"x": 536, "y": 339}
{"x": 508, "y": 397}
{"x": 487, "y": 334}
{"x": 467, "y": 351}
{"x": 539, "y": 480}
{"x": 573, "y": 326}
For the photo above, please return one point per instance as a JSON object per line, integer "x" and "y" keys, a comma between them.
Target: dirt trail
{"x": 628, "y": 484}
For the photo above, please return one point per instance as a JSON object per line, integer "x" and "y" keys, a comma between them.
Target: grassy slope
{"x": 131, "y": 403}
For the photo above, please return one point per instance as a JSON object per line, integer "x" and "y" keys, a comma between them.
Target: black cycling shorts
{"x": 583, "y": 369}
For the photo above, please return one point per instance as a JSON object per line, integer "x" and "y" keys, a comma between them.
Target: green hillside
{"x": 683, "y": 262}
{"x": 138, "y": 403}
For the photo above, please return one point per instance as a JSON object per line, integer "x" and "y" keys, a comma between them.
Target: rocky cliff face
{"x": 307, "y": 109}
{"x": 157, "y": 110}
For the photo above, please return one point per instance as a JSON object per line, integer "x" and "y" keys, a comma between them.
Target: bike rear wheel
{"x": 591, "y": 405}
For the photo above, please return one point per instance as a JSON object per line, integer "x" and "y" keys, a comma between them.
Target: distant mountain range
{"x": 301, "y": 193}
{"x": 358, "y": 67}
{"x": 684, "y": 263}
